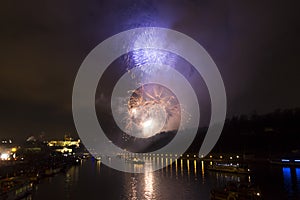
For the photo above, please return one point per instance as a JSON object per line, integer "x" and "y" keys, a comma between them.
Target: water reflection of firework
{"x": 152, "y": 108}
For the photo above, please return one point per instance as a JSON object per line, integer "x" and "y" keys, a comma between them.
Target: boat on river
{"x": 232, "y": 168}
{"x": 236, "y": 191}
{"x": 52, "y": 171}
{"x": 15, "y": 188}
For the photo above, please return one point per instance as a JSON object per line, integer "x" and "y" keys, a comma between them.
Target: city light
{"x": 4, "y": 156}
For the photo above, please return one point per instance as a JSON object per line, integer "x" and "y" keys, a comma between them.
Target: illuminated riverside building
{"x": 64, "y": 146}
{"x": 64, "y": 143}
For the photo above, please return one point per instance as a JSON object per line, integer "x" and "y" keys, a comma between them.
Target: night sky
{"x": 255, "y": 46}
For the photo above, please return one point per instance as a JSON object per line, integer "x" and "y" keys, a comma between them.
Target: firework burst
{"x": 151, "y": 108}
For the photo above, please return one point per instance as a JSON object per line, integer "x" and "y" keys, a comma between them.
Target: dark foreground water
{"x": 184, "y": 180}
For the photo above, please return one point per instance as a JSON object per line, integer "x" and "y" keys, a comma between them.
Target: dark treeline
{"x": 272, "y": 133}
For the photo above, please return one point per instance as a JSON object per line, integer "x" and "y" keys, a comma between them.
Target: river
{"x": 184, "y": 179}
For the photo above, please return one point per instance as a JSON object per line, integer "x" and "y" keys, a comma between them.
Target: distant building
{"x": 64, "y": 143}
{"x": 64, "y": 146}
